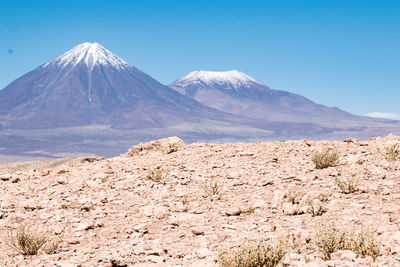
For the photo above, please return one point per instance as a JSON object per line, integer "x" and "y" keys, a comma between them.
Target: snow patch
{"x": 384, "y": 115}
{"x": 91, "y": 54}
{"x": 234, "y": 78}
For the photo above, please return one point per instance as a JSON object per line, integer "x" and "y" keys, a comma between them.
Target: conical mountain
{"x": 89, "y": 85}
{"x": 237, "y": 93}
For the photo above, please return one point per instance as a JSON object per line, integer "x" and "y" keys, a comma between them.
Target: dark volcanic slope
{"x": 90, "y": 85}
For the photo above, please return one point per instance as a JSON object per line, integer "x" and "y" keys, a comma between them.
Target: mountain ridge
{"x": 90, "y": 85}
{"x": 90, "y": 101}
{"x": 252, "y": 99}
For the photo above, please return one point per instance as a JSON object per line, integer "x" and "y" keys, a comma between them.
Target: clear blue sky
{"x": 343, "y": 53}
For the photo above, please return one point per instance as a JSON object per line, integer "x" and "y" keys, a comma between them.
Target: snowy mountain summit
{"x": 91, "y": 54}
{"x": 232, "y": 79}
{"x": 89, "y": 85}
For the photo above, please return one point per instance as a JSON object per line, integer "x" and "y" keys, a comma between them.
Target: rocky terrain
{"x": 166, "y": 203}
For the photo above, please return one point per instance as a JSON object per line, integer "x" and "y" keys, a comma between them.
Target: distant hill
{"x": 237, "y": 93}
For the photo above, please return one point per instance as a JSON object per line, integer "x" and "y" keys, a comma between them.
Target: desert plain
{"x": 167, "y": 203}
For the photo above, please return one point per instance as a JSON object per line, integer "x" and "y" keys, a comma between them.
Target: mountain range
{"x": 88, "y": 100}
{"x": 88, "y": 85}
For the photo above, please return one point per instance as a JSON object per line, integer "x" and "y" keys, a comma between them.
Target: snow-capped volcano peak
{"x": 232, "y": 78}
{"x": 91, "y": 54}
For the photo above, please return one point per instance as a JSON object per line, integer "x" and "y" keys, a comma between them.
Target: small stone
{"x": 5, "y": 177}
{"x": 203, "y": 253}
{"x": 266, "y": 182}
{"x": 141, "y": 228}
{"x": 197, "y": 231}
{"x": 118, "y": 262}
{"x": 233, "y": 212}
{"x": 351, "y": 140}
{"x": 290, "y": 209}
{"x": 84, "y": 226}
{"x": 61, "y": 180}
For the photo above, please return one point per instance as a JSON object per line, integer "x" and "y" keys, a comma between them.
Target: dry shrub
{"x": 211, "y": 188}
{"x": 392, "y": 152}
{"x": 361, "y": 241}
{"x": 325, "y": 158}
{"x": 52, "y": 246}
{"x": 330, "y": 239}
{"x": 347, "y": 185}
{"x": 28, "y": 240}
{"x": 262, "y": 253}
{"x": 156, "y": 174}
{"x": 291, "y": 243}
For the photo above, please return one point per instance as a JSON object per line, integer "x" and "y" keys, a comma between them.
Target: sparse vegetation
{"x": 52, "y": 246}
{"x": 172, "y": 147}
{"x": 28, "y": 240}
{"x": 291, "y": 243}
{"x": 65, "y": 206}
{"x": 317, "y": 209}
{"x": 325, "y": 158}
{"x": 265, "y": 254}
{"x": 211, "y": 188}
{"x": 248, "y": 210}
{"x": 289, "y": 197}
{"x": 156, "y": 174}
{"x": 347, "y": 185}
{"x": 392, "y": 152}
{"x": 185, "y": 201}
{"x": 362, "y": 241}
{"x": 62, "y": 171}
{"x": 330, "y": 239}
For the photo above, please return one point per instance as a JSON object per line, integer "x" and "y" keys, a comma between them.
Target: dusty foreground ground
{"x": 108, "y": 213}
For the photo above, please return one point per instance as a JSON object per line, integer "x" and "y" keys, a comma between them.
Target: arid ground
{"x": 166, "y": 203}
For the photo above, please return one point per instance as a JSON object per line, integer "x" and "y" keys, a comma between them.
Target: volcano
{"x": 89, "y": 85}
{"x": 237, "y": 93}
{"x": 90, "y": 101}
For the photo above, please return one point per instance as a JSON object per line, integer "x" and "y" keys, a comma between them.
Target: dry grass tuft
{"x": 156, "y": 174}
{"x": 392, "y": 152}
{"x": 263, "y": 253}
{"x": 248, "y": 210}
{"x": 361, "y": 241}
{"x": 289, "y": 197}
{"x": 325, "y": 158}
{"x": 347, "y": 185}
{"x": 317, "y": 209}
{"x": 52, "y": 246}
{"x": 172, "y": 147}
{"x": 28, "y": 240}
{"x": 211, "y": 188}
{"x": 330, "y": 239}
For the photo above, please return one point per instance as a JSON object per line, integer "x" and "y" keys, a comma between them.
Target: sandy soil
{"x": 106, "y": 212}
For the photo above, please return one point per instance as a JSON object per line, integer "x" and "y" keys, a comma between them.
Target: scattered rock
{"x": 233, "y": 212}
{"x": 108, "y": 214}
{"x": 197, "y": 231}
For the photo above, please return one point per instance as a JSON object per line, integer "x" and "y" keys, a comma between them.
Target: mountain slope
{"x": 238, "y": 93}
{"x": 89, "y": 85}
